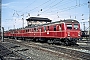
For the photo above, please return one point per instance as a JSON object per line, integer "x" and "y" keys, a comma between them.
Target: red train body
{"x": 64, "y": 32}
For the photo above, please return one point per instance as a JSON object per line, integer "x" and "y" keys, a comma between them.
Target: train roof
{"x": 69, "y": 21}
{"x": 65, "y": 21}
{"x": 38, "y": 19}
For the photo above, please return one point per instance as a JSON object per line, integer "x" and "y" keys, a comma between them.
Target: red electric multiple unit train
{"x": 64, "y": 32}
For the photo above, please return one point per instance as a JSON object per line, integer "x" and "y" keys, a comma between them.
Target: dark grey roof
{"x": 70, "y": 20}
{"x": 38, "y": 19}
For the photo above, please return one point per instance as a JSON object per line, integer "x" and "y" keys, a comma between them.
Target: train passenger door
{"x": 60, "y": 30}
{"x": 59, "y": 33}
{"x": 55, "y": 29}
{"x": 40, "y": 31}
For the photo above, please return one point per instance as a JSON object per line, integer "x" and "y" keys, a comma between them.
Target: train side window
{"x": 34, "y": 29}
{"x": 41, "y": 30}
{"x": 37, "y": 29}
{"x": 76, "y": 26}
{"x": 18, "y": 31}
{"x": 13, "y": 32}
{"x": 45, "y": 28}
{"x": 31, "y": 30}
{"x": 55, "y": 28}
{"x": 28, "y": 30}
{"x": 69, "y": 26}
{"x": 60, "y": 28}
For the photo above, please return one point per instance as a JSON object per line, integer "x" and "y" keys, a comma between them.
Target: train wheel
{"x": 50, "y": 41}
{"x": 15, "y": 38}
{"x": 74, "y": 42}
{"x": 67, "y": 42}
{"x": 23, "y": 38}
{"x": 37, "y": 40}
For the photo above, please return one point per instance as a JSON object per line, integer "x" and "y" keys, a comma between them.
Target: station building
{"x": 34, "y": 21}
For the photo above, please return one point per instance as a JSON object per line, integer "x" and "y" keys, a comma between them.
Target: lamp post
{"x": 0, "y": 17}
{"x": 83, "y": 22}
{"x": 23, "y": 20}
{"x": 89, "y": 17}
{"x": 2, "y": 34}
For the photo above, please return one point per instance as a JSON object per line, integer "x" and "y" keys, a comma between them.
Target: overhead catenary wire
{"x": 27, "y": 6}
{"x": 46, "y": 7}
{"x": 56, "y": 6}
{"x": 45, "y": 2}
{"x": 66, "y": 2}
{"x": 79, "y": 2}
{"x": 40, "y": 5}
{"x": 60, "y": 5}
{"x": 53, "y": 5}
{"x": 51, "y": 14}
{"x": 73, "y": 7}
{"x": 18, "y": 11}
{"x": 49, "y": 4}
{"x": 67, "y": 8}
{"x": 37, "y": 7}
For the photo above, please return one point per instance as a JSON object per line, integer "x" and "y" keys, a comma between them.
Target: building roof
{"x": 38, "y": 19}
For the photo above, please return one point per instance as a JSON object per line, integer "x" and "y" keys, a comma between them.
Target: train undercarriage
{"x": 61, "y": 41}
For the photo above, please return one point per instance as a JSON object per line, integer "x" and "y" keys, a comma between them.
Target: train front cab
{"x": 73, "y": 32}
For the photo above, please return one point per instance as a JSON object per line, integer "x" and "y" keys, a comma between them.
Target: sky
{"x": 12, "y": 11}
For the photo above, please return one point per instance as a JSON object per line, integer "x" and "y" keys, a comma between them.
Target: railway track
{"x": 70, "y": 52}
{"x": 6, "y": 54}
{"x": 78, "y": 52}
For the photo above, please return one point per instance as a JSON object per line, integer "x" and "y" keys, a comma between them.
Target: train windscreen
{"x": 72, "y": 26}
{"x": 76, "y": 26}
{"x": 69, "y": 26}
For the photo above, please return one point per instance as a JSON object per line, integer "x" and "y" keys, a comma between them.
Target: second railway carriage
{"x": 64, "y": 32}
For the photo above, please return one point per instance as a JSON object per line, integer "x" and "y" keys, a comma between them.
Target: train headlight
{"x": 78, "y": 33}
{"x": 68, "y": 33}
